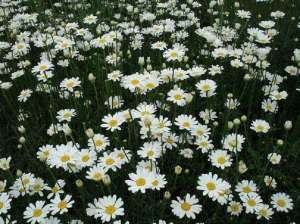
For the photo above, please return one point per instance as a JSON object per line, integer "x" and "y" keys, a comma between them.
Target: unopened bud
{"x": 79, "y": 183}
{"x": 167, "y": 195}
{"x": 89, "y": 133}
{"x": 178, "y": 170}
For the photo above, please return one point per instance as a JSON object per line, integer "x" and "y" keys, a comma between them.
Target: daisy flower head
{"x": 96, "y": 173}
{"x": 206, "y": 87}
{"x": 109, "y": 161}
{"x": 107, "y": 208}
{"x": 98, "y": 142}
{"x": 189, "y": 207}
{"x": 220, "y": 159}
{"x": 70, "y": 84}
{"x": 260, "y": 126}
{"x": 158, "y": 181}
{"x": 5, "y": 201}
{"x": 36, "y": 213}
{"x": 150, "y": 150}
{"x": 210, "y": 184}
{"x": 59, "y": 205}
{"x": 252, "y": 202}
{"x": 246, "y": 187}
{"x": 65, "y": 115}
{"x": 139, "y": 181}
{"x": 174, "y": 54}
{"x": 282, "y": 202}
{"x": 24, "y": 95}
{"x": 185, "y": 122}
{"x": 235, "y": 208}
{"x": 177, "y": 96}
{"x": 112, "y": 122}
{"x": 264, "y": 212}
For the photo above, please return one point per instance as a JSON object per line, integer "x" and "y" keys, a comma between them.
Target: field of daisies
{"x": 149, "y": 111}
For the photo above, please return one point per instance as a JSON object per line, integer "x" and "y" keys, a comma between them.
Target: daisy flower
{"x": 107, "y": 208}
{"x": 174, "y": 54}
{"x": 189, "y": 207}
{"x": 185, "y": 122}
{"x": 246, "y": 187}
{"x": 150, "y": 150}
{"x": 65, "y": 115}
{"x": 209, "y": 184}
{"x": 139, "y": 181}
{"x": 96, "y": 173}
{"x": 4, "y": 203}
{"x": 252, "y": 202}
{"x": 70, "y": 83}
{"x": 207, "y": 87}
{"x": 235, "y": 208}
{"x": 98, "y": 142}
{"x": 177, "y": 96}
{"x": 282, "y": 202}
{"x": 260, "y": 126}
{"x": 36, "y": 213}
{"x": 264, "y": 211}
{"x": 112, "y": 122}
{"x": 24, "y": 95}
{"x": 59, "y": 205}
{"x": 220, "y": 159}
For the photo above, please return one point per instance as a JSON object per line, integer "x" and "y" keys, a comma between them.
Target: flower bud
{"x": 89, "y": 133}
{"x": 79, "y": 183}
{"x": 106, "y": 180}
{"x": 288, "y": 125}
{"x": 21, "y": 129}
{"x": 22, "y": 140}
{"x": 167, "y": 195}
{"x": 178, "y": 170}
{"x": 244, "y": 118}
{"x": 92, "y": 78}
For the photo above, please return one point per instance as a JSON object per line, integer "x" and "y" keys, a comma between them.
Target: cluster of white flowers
{"x": 149, "y": 111}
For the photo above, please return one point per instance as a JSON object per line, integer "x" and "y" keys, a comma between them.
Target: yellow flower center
{"x": 110, "y": 209}
{"x": 55, "y": 189}
{"x": 150, "y": 85}
{"x": 281, "y": 202}
{"x": 173, "y": 54}
{"x": 62, "y": 205}
{"x": 221, "y": 160}
{"x": 247, "y": 189}
{"x": 263, "y": 212}
{"x": 140, "y": 182}
{"x": 205, "y": 88}
{"x": 70, "y": 84}
{"x": 185, "y": 206}
{"x": 251, "y": 202}
{"x": 67, "y": 115}
{"x": 37, "y": 212}
{"x": 150, "y": 154}
{"x": 134, "y": 82}
{"x": 178, "y": 97}
{"x": 211, "y": 186}
{"x": 97, "y": 176}
{"x": 186, "y": 124}
{"x": 43, "y": 67}
{"x": 1, "y": 205}
{"x": 65, "y": 158}
{"x": 109, "y": 161}
{"x": 113, "y": 123}
{"x": 155, "y": 183}
{"x": 85, "y": 158}
{"x": 25, "y": 181}
{"x": 98, "y": 142}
